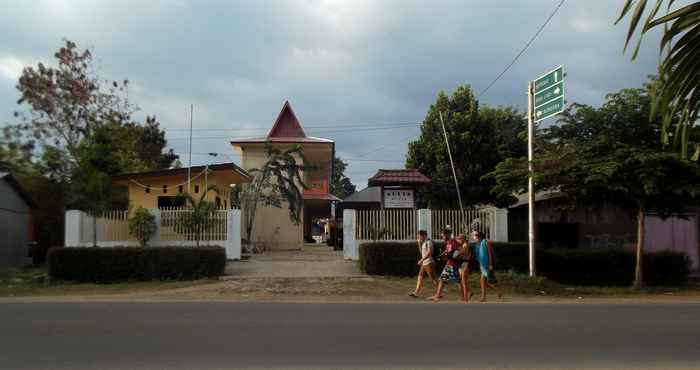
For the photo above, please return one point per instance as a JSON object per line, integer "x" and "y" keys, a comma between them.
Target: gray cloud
{"x": 338, "y": 62}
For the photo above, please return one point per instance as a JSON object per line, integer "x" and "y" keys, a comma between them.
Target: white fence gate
{"x": 360, "y": 226}
{"x": 223, "y": 228}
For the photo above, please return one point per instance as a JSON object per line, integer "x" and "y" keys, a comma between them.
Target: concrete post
{"x": 72, "y": 228}
{"x": 233, "y": 234}
{"x": 349, "y": 244}
{"x": 500, "y": 225}
{"x": 425, "y": 221}
{"x": 155, "y": 238}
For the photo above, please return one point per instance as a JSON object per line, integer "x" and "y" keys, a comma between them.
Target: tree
{"x": 341, "y": 186}
{"x": 278, "y": 181}
{"x": 479, "y": 139}
{"x": 142, "y": 225}
{"x": 609, "y": 154}
{"x": 677, "y": 95}
{"x": 198, "y": 218}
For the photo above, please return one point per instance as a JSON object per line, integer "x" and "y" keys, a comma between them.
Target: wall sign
{"x": 398, "y": 198}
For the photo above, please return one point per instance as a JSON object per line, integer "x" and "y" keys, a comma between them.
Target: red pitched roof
{"x": 405, "y": 176}
{"x": 286, "y": 124}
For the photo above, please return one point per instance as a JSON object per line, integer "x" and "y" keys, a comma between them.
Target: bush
{"x": 142, "y": 225}
{"x": 105, "y": 265}
{"x": 569, "y": 266}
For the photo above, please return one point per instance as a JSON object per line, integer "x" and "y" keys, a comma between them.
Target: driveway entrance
{"x": 312, "y": 261}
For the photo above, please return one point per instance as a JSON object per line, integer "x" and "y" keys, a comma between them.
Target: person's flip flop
{"x": 414, "y": 295}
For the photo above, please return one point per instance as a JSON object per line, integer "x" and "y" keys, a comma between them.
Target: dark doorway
{"x": 558, "y": 234}
{"x": 170, "y": 202}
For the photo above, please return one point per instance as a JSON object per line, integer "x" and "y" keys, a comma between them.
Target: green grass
{"x": 21, "y": 282}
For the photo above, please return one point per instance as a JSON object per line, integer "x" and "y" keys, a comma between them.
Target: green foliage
{"x": 567, "y": 266}
{"x": 278, "y": 181}
{"x": 142, "y": 225}
{"x": 677, "y": 96}
{"x": 199, "y": 216}
{"x": 341, "y": 186}
{"x": 479, "y": 139}
{"x": 107, "y": 265}
{"x": 378, "y": 233}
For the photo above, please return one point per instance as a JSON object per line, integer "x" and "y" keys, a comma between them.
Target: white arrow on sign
{"x": 556, "y": 90}
{"x": 556, "y": 76}
{"x": 539, "y": 113}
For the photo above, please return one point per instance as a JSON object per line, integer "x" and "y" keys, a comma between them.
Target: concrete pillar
{"x": 500, "y": 225}
{"x": 233, "y": 234}
{"x": 349, "y": 244}
{"x": 155, "y": 238}
{"x": 72, "y": 228}
{"x": 425, "y": 221}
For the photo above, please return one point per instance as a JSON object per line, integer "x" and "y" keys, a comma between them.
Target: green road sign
{"x": 549, "y": 79}
{"x": 549, "y": 109}
{"x": 552, "y": 92}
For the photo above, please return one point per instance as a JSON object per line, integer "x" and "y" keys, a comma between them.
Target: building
{"x": 560, "y": 225}
{"x": 387, "y": 189}
{"x": 159, "y": 189}
{"x": 273, "y": 226}
{"x": 16, "y": 229}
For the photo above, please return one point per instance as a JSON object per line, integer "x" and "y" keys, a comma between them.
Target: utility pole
{"x": 449, "y": 153}
{"x": 189, "y": 165}
{"x": 530, "y": 180}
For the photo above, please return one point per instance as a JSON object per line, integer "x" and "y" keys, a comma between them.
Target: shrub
{"x": 567, "y": 266}
{"x": 105, "y": 265}
{"x": 142, "y": 225}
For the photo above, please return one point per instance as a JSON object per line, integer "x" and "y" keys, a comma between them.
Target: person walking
{"x": 484, "y": 254}
{"x": 449, "y": 273}
{"x": 466, "y": 257}
{"x": 426, "y": 263}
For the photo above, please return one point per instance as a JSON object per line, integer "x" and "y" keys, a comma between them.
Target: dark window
{"x": 218, "y": 202}
{"x": 170, "y": 202}
{"x": 179, "y": 189}
{"x": 225, "y": 204}
{"x": 148, "y": 189}
{"x": 165, "y": 189}
{"x": 196, "y": 189}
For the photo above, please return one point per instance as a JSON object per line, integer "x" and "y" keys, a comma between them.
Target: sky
{"x": 375, "y": 65}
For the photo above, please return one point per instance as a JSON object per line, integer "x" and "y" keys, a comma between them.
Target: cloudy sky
{"x": 376, "y": 65}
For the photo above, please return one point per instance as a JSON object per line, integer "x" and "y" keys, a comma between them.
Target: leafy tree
{"x": 341, "y": 186}
{"x": 142, "y": 225}
{"x": 278, "y": 181}
{"x": 677, "y": 95}
{"x": 479, "y": 139}
{"x": 608, "y": 154}
{"x": 199, "y": 216}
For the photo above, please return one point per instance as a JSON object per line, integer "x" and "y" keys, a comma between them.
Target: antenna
{"x": 449, "y": 153}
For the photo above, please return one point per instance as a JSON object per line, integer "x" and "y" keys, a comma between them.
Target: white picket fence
{"x": 109, "y": 229}
{"x": 360, "y": 226}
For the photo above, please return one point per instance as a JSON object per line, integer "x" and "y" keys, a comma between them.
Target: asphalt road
{"x": 220, "y": 335}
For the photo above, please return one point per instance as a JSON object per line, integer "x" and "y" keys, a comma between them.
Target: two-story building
{"x": 273, "y": 226}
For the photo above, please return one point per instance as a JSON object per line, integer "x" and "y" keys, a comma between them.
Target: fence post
{"x": 72, "y": 228}
{"x": 425, "y": 221}
{"x": 155, "y": 238}
{"x": 233, "y": 234}
{"x": 349, "y": 245}
{"x": 500, "y": 225}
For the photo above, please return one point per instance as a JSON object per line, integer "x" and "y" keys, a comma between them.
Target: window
{"x": 218, "y": 202}
{"x": 165, "y": 189}
{"x": 196, "y": 189}
{"x": 148, "y": 189}
{"x": 179, "y": 189}
{"x": 225, "y": 204}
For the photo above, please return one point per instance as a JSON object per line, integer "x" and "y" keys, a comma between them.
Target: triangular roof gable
{"x": 286, "y": 124}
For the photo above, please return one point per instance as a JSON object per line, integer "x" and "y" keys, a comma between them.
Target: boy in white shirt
{"x": 426, "y": 262}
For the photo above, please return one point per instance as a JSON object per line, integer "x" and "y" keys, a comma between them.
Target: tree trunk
{"x": 638, "y": 278}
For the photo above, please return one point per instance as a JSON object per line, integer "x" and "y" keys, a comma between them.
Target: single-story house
{"x": 602, "y": 226}
{"x": 16, "y": 228}
{"x": 159, "y": 189}
{"x": 387, "y": 189}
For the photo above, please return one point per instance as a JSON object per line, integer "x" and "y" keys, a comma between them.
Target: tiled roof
{"x": 405, "y": 176}
{"x": 183, "y": 171}
{"x": 372, "y": 194}
{"x": 320, "y": 197}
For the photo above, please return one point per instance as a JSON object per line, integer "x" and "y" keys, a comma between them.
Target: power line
{"x": 527, "y": 45}
{"x": 315, "y": 132}
{"x": 361, "y": 125}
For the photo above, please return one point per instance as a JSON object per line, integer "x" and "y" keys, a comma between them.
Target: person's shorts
{"x": 450, "y": 274}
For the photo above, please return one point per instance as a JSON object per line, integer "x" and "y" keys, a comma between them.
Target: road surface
{"x": 221, "y": 335}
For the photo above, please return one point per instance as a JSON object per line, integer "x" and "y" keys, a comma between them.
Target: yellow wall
{"x": 139, "y": 197}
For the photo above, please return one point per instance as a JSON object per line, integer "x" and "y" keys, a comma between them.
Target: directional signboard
{"x": 549, "y": 79}
{"x": 549, "y": 94}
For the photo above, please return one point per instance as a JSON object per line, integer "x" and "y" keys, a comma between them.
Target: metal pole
{"x": 449, "y": 153}
{"x": 189, "y": 165}
{"x": 530, "y": 181}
